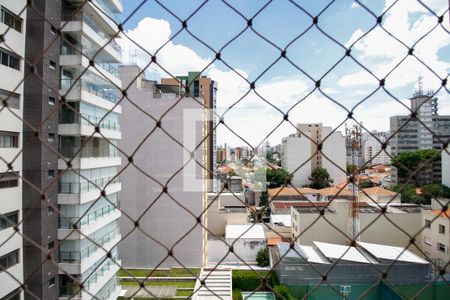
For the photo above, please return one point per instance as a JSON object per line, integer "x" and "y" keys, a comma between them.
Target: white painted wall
{"x": 446, "y": 168}
{"x": 296, "y": 151}
{"x": 334, "y": 155}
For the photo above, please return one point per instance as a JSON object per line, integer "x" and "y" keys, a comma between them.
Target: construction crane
{"x": 354, "y": 144}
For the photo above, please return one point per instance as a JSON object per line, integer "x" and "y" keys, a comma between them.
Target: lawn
{"x": 178, "y": 284}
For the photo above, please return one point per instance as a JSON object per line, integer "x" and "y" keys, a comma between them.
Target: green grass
{"x": 175, "y": 272}
{"x": 184, "y": 293}
{"x": 178, "y": 284}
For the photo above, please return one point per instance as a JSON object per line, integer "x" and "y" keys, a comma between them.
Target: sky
{"x": 287, "y": 85}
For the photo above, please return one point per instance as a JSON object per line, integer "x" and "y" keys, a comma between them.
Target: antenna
{"x": 420, "y": 85}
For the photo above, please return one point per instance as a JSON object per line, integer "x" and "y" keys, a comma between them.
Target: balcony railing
{"x": 77, "y": 256}
{"x": 84, "y": 187}
{"x": 68, "y": 222}
{"x": 88, "y": 152}
{"x": 69, "y": 16}
{"x": 89, "y": 87}
{"x": 71, "y": 291}
{"x": 110, "y": 68}
{"x": 70, "y": 117}
{"x": 107, "y": 10}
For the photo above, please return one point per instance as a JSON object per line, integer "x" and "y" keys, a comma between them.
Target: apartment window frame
{"x": 9, "y": 220}
{"x": 427, "y": 241}
{"x": 9, "y": 260}
{"x": 9, "y": 180}
{"x": 441, "y": 229}
{"x": 50, "y": 174}
{"x": 52, "y": 65}
{"x": 12, "y": 99}
{"x": 9, "y": 139}
{"x": 427, "y": 223}
{"x": 50, "y": 137}
{"x": 51, "y": 101}
{"x": 442, "y": 247}
{"x": 52, "y": 281}
{"x": 11, "y": 20}
{"x": 50, "y": 211}
{"x": 9, "y": 59}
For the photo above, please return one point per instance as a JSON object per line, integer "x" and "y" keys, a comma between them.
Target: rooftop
{"x": 391, "y": 253}
{"x": 244, "y": 231}
{"x": 376, "y": 190}
{"x": 281, "y": 219}
{"x": 333, "y": 191}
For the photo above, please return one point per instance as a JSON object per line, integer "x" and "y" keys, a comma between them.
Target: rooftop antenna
{"x": 420, "y": 85}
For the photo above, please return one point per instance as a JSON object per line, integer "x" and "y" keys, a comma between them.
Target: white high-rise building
{"x": 300, "y": 150}
{"x": 372, "y": 148}
{"x": 88, "y": 192}
{"x": 12, "y": 21}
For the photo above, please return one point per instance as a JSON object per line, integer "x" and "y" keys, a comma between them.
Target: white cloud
{"x": 354, "y": 5}
{"x": 402, "y": 22}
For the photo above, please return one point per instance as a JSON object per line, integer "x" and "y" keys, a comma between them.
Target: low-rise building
{"x": 400, "y": 222}
{"x": 378, "y": 194}
{"x": 361, "y": 264}
{"x": 436, "y": 236}
{"x": 296, "y": 194}
{"x": 446, "y": 167}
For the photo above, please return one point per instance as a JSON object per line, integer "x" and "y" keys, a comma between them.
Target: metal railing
{"x": 107, "y": 94}
{"x": 87, "y": 186}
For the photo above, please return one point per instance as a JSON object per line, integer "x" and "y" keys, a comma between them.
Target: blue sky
{"x": 283, "y": 85}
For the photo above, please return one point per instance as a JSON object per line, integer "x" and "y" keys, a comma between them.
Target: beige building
{"x": 300, "y": 149}
{"x": 223, "y": 209}
{"x": 378, "y": 194}
{"x": 308, "y": 227}
{"x": 436, "y": 236}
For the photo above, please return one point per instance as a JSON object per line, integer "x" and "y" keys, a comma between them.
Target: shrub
{"x": 283, "y": 293}
{"x": 237, "y": 295}
{"x": 247, "y": 280}
{"x": 262, "y": 257}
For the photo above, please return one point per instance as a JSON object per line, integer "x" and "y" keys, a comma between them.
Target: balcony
{"x": 78, "y": 262}
{"x": 87, "y": 230}
{"x": 74, "y": 124}
{"x": 88, "y": 186}
{"x": 67, "y": 222}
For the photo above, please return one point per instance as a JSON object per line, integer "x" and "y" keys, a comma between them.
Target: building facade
{"x": 299, "y": 153}
{"x": 436, "y": 237}
{"x": 411, "y": 135}
{"x": 12, "y": 52}
{"x": 199, "y": 86}
{"x": 75, "y": 219}
{"x": 165, "y": 216}
{"x": 373, "y": 154}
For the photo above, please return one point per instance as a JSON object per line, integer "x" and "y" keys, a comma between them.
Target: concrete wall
{"x": 164, "y": 221}
{"x": 218, "y": 219}
{"x": 334, "y": 155}
{"x": 381, "y": 231}
{"x": 244, "y": 250}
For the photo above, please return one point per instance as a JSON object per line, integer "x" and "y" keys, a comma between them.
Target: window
{"x": 8, "y": 180}
{"x": 52, "y": 281}
{"x": 51, "y": 137}
{"x": 427, "y": 223}
{"x": 50, "y": 211}
{"x": 11, "y": 20}
{"x": 51, "y": 100}
{"x": 9, "y": 59}
{"x": 427, "y": 240}
{"x": 441, "y": 229}
{"x": 441, "y": 247}
{"x": 9, "y": 139}
{"x": 9, "y": 260}
{"x": 51, "y": 173}
{"x": 52, "y": 29}
{"x": 8, "y": 220}
{"x": 52, "y": 65}
{"x": 51, "y": 245}
{"x": 12, "y": 99}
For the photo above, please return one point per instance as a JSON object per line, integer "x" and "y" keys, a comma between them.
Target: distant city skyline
{"x": 284, "y": 85}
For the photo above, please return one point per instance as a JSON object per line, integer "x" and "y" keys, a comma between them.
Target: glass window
{"x": 52, "y": 65}
{"x": 11, "y": 20}
{"x": 8, "y": 180}
{"x": 9, "y": 139}
{"x": 441, "y": 247}
{"x": 12, "y": 99}
{"x": 441, "y": 229}
{"x": 51, "y": 173}
{"x": 427, "y": 223}
{"x": 51, "y": 100}
{"x": 9, "y": 59}
{"x": 9, "y": 260}
{"x": 8, "y": 220}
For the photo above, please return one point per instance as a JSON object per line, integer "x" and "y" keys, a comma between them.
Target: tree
{"x": 262, "y": 257}
{"x": 277, "y": 177}
{"x": 435, "y": 191}
{"x": 409, "y": 195}
{"x": 264, "y": 198}
{"x": 320, "y": 179}
{"x": 407, "y": 162}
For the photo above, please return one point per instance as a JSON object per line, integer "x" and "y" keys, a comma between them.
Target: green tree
{"x": 435, "y": 191}
{"x": 264, "y": 198}
{"x": 320, "y": 179}
{"x": 409, "y": 195}
{"x": 277, "y": 177}
{"x": 262, "y": 257}
{"x": 413, "y": 160}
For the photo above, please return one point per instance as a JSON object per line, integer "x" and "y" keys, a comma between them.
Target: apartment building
{"x": 201, "y": 86}
{"x": 12, "y": 52}
{"x": 163, "y": 195}
{"x": 446, "y": 167}
{"x": 300, "y": 150}
{"x": 75, "y": 160}
{"x": 373, "y": 154}
{"x": 430, "y": 133}
{"x": 436, "y": 237}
